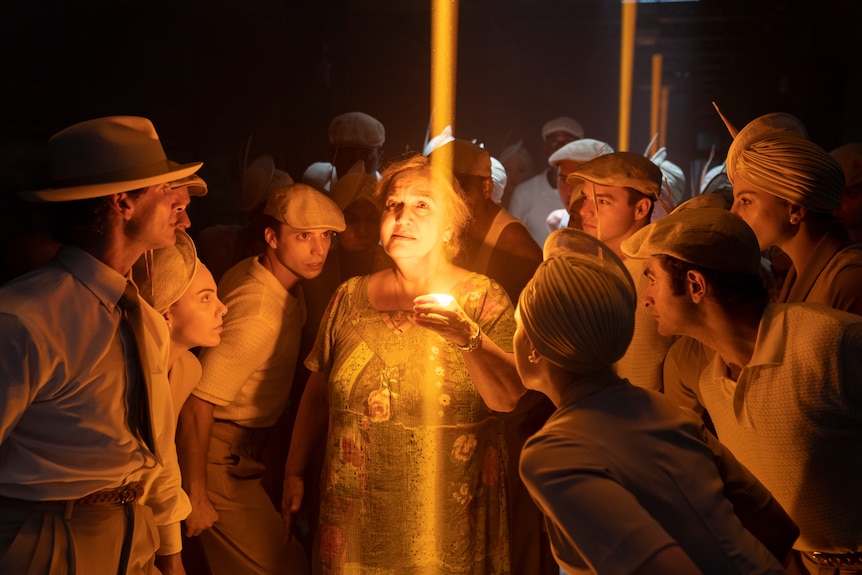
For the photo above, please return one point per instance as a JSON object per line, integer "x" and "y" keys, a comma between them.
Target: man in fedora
{"x": 85, "y": 405}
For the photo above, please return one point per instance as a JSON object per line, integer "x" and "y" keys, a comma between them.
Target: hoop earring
{"x": 794, "y": 220}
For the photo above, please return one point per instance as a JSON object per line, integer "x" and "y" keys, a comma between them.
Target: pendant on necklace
{"x": 399, "y": 317}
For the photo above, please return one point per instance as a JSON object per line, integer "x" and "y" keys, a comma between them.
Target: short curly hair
{"x": 457, "y": 213}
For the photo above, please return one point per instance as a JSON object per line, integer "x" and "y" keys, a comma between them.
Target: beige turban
{"x": 578, "y": 311}
{"x": 775, "y": 156}
{"x": 164, "y": 275}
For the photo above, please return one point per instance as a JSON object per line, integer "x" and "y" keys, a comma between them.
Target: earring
{"x": 794, "y": 220}
{"x": 533, "y": 357}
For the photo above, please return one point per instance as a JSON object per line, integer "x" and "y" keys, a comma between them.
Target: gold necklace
{"x": 399, "y": 316}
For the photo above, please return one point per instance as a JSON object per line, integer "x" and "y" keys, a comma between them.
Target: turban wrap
{"x": 780, "y": 160}
{"x": 579, "y": 312}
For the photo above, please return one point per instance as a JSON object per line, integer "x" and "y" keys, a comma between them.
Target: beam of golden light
{"x": 627, "y": 49}
{"x": 444, "y": 70}
{"x": 655, "y": 96}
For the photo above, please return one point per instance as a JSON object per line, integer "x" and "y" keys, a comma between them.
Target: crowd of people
{"x": 439, "y": 364}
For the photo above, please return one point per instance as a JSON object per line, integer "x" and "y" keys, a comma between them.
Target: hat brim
{"x": 106, "y": 189}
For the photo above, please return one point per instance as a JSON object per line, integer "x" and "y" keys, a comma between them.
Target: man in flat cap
{"x": 85, "y": 405}
{"x": 784, "y": 388}
{"x": 537, "y": 197}
{"x": 245, "y": 386}
{"x": 566, "y": 160}
{"x": 354, "y": 137}
{"x": 614, "y": 196}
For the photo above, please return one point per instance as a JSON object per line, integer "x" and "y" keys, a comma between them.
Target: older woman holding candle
{"x": 405, "y": 385}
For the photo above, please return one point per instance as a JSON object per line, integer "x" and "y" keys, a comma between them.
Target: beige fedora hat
{"x": 107, "y": 156}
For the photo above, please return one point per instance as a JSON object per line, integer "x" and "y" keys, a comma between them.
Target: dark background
{"x": 211, "y": 74}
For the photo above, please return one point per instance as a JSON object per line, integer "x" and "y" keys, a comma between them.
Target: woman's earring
{"x": 794, "y": 219}
{"x": 533, "y": 357}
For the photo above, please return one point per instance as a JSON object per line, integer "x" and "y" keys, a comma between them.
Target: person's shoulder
{"x": 245, "y": 272}
{"x": 813, "y": 319}
{"x": 30, "y": 290}
{"x": 516, "y": 238}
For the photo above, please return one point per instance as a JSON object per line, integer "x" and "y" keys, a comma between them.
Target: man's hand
{"x": 170, "y": 564}
{"x": 294, "y": 489}
{"x": 201, "y": 518}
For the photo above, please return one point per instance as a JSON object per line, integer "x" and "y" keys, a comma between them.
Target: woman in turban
{"x": 786, "y": 188}
{"x": 175, "y": 282}
{"x": 629, "y": 482}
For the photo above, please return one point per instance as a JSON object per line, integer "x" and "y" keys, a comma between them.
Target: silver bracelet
{"x": 475, "y": 341}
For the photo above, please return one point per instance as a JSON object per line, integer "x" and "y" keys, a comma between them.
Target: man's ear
{"x": 642, "y": 208}
{"x": 270, "y": 237}
{"x": 487, "y": 187}
{"x": 122, "y": 204}
{"x": 696, "y": 285}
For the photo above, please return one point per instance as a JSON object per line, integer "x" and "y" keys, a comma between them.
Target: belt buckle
{"x": 128, "y": 494}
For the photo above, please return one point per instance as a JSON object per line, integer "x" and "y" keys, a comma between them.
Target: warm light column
{"x": 444, "y": 71}
{"x": 627, "y": 49}
{"x": 655, "y": 126}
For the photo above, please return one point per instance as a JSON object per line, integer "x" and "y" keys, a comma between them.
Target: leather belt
{"x": 835, "y": 559}
{"x": 127, "y": 493}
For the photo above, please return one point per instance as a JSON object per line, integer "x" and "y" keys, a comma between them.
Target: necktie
{"x": 137, "y": 367}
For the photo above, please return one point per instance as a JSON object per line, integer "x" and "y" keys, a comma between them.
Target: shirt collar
{"x": 769, "y": 345}
{"x": 103, "y": 281}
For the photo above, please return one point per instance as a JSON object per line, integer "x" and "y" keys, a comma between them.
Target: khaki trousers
{"x": 64, "y": 538}
{"x": 248, "y": 538}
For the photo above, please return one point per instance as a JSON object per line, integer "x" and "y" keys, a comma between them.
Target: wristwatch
{"x": 475, "y": 341}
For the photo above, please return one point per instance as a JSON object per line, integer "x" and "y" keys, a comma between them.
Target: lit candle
{"x": 442, "y": 298}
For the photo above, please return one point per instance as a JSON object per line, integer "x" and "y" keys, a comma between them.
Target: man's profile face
{"x": 668, "y": 309}
{"x": 159, "y": 211}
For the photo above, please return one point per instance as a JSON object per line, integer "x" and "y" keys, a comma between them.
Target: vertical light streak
{"x": 655, "y": 96}
{"x": 627, "y": 49}
{"x": 444, "y": 68}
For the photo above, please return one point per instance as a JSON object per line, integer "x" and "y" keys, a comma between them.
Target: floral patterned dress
{"x": 413, "y": 472}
